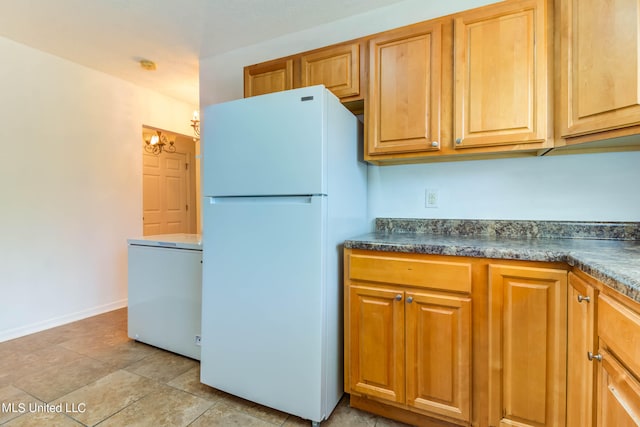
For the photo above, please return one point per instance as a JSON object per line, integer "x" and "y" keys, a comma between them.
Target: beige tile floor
{"x": 90, "y": 373}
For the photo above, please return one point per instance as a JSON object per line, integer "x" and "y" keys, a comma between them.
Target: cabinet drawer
{"x": 619, "y": 327}
{"x": 618, "y": 395}
{"x": 449, "y": 276}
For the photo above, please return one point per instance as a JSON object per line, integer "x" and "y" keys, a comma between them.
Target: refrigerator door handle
{"x": 271, "y": 200}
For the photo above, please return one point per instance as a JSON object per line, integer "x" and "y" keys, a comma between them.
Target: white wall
{"x": 71, "y": 194}
{"x": 573, "y": 187}
{"x": 580, "y": 187}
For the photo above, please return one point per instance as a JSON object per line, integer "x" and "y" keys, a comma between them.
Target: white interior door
{"x": 165, "y": 195}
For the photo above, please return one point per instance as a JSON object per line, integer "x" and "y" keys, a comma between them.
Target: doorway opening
{"x": 169, "y": 186}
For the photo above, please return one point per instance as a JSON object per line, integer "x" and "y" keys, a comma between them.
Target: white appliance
{"x": 283, "y": 189}
{"x": 165, "y": 292}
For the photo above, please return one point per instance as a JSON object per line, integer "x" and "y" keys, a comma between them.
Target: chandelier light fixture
{"x": 195, "y": 124}
{"x": 156, "y": 144}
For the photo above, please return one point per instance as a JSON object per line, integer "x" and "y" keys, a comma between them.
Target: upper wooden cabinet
{"x": 516, "y": 76}
{"x": 339, "y": 67}
{"x": 478, "y": 82}
{"x": 502, "y": 76}
{"x": 405, "y": 89}
{"x": 272, "y": 76}
{"x": 336, "y": 67}
{"x": 599, "y": 69}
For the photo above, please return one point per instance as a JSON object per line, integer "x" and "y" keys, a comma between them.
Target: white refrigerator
{"x": 284, "y": 187}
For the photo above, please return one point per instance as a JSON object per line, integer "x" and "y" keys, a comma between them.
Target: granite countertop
{"x": 613, "y": 257}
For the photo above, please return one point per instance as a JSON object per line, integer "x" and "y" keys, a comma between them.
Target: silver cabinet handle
{"x": 435, "y": 144}
{"x": 586, "y": 299}
{"x": 592, "y": 356}
{"x": 458, "y": 140}
{"x": 409, "y": 300}
{"x": 399, "y": 297}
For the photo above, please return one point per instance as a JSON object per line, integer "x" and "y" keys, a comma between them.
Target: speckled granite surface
{"x": 616, "y": 263}
{"x": 513, "y": 229}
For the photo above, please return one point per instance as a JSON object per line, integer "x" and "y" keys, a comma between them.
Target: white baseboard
{"x": 21, "y": 331}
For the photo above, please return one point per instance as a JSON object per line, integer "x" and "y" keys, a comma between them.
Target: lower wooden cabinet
{"x": 618, "y": 398}
{"x": 377, "y": 348}
{"x": 527, "y": 346}
{"x": 438, "y": 354}
{"x": 581, "y": 341}
{"x": 409, "y": 345}
{"x": 618, "y": 395}
{"x": 436, "y": 340}
{"x": 603, "y": 356}
{"x": 411, "y": 348}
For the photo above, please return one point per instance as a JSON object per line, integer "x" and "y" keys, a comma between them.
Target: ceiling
{"x": 112, "y": 36}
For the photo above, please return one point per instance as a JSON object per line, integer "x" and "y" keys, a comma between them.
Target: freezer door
{"x": 266, "y": 145}
{"x": 263, "y": 301}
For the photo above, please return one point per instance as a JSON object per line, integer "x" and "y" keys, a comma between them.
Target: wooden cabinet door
{"x": 599, "y": 65}
{"x": 618, "y": 394}
{"x": 581, "y": 339}
{"x": 376, "y": 342}
{"x": 337, "y": 67}
{"x": 527, "y": 346}
{"x": 268, "y": 77}
{"x": 501, "y": 80}
{"x": 438, "y": 338}
{"x": 404, "y": 98}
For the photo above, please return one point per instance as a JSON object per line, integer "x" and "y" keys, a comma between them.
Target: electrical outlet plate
{"x": 431, "y": 198}
{"x": 198, "y": 340}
